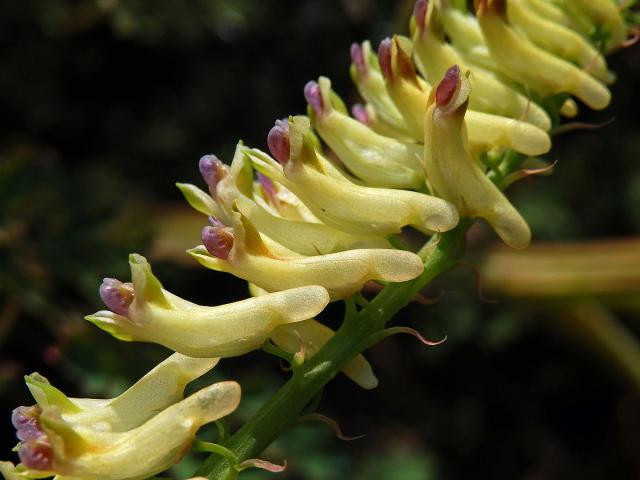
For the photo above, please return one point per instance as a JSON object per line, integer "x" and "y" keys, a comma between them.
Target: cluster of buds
{"x": 445, "y": 113}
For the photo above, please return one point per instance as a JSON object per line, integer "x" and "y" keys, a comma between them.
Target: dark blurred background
{"x": 106, "y": 103}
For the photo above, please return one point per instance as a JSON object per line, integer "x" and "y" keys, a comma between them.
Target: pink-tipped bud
{"x": 313, "y": 96}
{"x": 36, "y": 454}
{"x": 357, "y": 57}
{"x": 384, "y": 57}
{"x": 268, "y": 188}
{"x": 360, "y": 113}
{"x": 117, "y": 296}
{"x": 420, "y": 14}
{"x": 217, "y": 238}
{"x": 212, "y": 170}
{"x": 447, "y": 86}
{"x": 278, "y": 141}
{"x": 25, "y": 421}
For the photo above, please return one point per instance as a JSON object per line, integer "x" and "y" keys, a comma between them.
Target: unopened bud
{"x": 278, "y": 141}
{"x": 217, "y": 238}
{"x": 117, "y": 296}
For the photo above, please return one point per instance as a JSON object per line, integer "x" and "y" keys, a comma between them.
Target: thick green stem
{"x": 352, "y": 337}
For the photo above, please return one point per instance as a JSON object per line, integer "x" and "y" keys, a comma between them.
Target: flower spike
{"x": 223, "y": 331}
{"x": 454, "y": 174}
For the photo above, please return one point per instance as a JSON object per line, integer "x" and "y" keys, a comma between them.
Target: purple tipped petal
{"x": 117, "y": 296}
{"x": 25, "y": 421}
{"x": 447, "y": 86}
{"x": 360, "y": 113}
{"x": 384, "y": 57}
{"x": 313, "y": 96}
{"x": 357, "y": 58}
{"x": 268, "y": 189}
{"x": 37, "y": 454}
{"x": 212, "y": 170}
{"x": 278, "y": 141}
{"x": 217, "y": 238}
{"x": 420, "y": 14}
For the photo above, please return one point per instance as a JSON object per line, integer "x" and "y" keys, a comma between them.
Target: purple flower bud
{"x": 117, "y": 296}
{"x": 212, "y": 170}
{"x": 420, "y": 14}
{"x": 268, "y": 188}
{"x": 447, "y": 86}
{"x": 357, "y": 58}
{"x": 278, "y": 141}
{"x": 313, "y": 96}
{"x": 25, "y": 421}
{"x": 384, "y": 57}
{"x": 360, "y": 113}
{"x": 217, "y": 238}
{"x": 37, "y": 454}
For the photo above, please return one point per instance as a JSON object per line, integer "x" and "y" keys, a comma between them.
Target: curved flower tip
{"x": 384, "y": 57}
{"x": 357, "y": 57}
{"x": 278, "y": 141}
{"x": 25, "y": 421}
{"x": 212, "y": 170}
{"x": 313, "y": 96}
{"x": 70, "y": 450}
{"x": 218, "y": 238}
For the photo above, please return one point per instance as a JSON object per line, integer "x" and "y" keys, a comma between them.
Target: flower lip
{"x": 313, "y": 96}
{"x": 448, "y": 86}
{"x": 357, "y": 57}
{"x": 34, "y": 449}
{"x": 218, "y": 238}
{"x": 117, "y": 296}
{"x": 384, "y": 57}
{"x": 278, "y": 141}
{"x": 268, "y": 188}
{"x": 420, "y": 14}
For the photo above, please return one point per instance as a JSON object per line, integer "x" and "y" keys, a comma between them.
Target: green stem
{"x": 285, "y": 406}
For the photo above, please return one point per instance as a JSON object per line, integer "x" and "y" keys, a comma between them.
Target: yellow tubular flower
{"x": 453, "y": 173}
{"x": 342, "y": 273}
{"x": 379, "y": 161}
{"x": 161, "y": 387}
{"x": 433, "y": 56}
{"x": 486, "y": 131}
{"x": 558, "y": 39}
{"x": 53, "y": 446}
{"x": 337, "y": 201}
{"x": 144, "y": 311}
{"x": 603, "y": 14}
{"x": 528, "y": 64}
